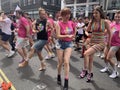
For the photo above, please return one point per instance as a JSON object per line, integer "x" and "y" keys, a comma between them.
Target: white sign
{"x": 44, "y": 3}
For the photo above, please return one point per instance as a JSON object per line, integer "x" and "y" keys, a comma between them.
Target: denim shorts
{"x": 114, "y": 48}
{"x": 63, "y": 44}
{"x": 38, "y": 45}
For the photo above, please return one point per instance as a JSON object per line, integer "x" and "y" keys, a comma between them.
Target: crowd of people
{"x": 90, "y": 35}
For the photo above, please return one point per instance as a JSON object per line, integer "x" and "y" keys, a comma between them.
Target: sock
{"x": 115, "y": 68}
{"x": 10, "y": 51}
{"x": 106, "y": 63}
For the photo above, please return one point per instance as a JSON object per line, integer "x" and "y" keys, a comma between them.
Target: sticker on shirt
{"x": 115, "y": 28}
{"x": 68, "y": 30}
{"x": 40, "y": 27}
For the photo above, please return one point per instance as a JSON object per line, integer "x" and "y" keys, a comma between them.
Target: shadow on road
{"x": 25, "y": 72}
{"x": 96, "y": 86}
{"x": 117, "y": 80}
{"x": 6, "y": 62}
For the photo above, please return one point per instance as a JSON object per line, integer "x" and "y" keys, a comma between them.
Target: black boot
{"x": 65, "y": 84}
{"x": 59, "y": 79}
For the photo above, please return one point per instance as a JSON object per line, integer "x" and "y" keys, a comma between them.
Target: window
{"x": 91, "y": 7}
{"x": 113, "y": 4}
{"x": 29, "y": 2}
{"x": 80, "y": 11}
{"x": 69, "y": 1}
{"x": 34, "y": 1}
{"x": 94, "y": 0}
{"x": 52, "y": 2}
{"x": 58, "y": 2}
{"x": 81, "y": 1}
{"x": 24, "y": 2}
{"x": 71, "y": 8}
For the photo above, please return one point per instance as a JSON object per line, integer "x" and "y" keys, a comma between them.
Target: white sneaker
{"x": 98, "y": 55}
{"x": 53, "y": 55}
{"x": 104, "y": 69}
{"x": 114, "y": 74}
{"x": 6, "y": 54}
{"x": 118, "y": 65}
{"x": 11, "y": 53}
{"x": 48, "y": 57}
{"x": 102, "y": 56}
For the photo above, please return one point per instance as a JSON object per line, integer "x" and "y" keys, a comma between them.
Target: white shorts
{"x": 21, "y": 42}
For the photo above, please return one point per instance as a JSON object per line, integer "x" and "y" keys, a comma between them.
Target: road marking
{"x": 6, "y": 79}
{"x": 1, "y": 80}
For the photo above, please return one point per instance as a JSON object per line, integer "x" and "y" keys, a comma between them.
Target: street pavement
{"x": 29, "y": 77}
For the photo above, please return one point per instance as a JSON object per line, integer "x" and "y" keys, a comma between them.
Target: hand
{"x": 26, "y": 39}
{"x": 35, "y": 31}
{"x": 70, "y": 36}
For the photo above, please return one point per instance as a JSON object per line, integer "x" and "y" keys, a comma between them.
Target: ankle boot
{"x": 59, "y": 79}
{"x": 83, "y": 73}
{"x": 89, "y": 77}
{"x": 65, "y": 84}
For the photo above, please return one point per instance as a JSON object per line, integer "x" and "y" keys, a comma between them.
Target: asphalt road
{"x": 29, "y": 77}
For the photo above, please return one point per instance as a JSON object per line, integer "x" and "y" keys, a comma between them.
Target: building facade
{"x": 9, "y": 5}
{"x": 80, "y": 7}
{"x": 31, "y": 6}
{"x": 85, "y": 7}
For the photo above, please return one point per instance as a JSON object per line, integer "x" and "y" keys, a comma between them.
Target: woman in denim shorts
{"x": 65, "y": 31}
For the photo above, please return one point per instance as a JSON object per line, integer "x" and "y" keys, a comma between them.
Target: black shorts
{"x": 0, "y": 32}
{"x": 5, "y": 37}
{"x": 78, "y": 37}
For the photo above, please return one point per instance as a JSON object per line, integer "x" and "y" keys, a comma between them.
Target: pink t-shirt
{"x": 115, "y": 40}
{"x": 51, "y": 21}
{"x": 21, "y": 27}
{"x": 67, "y": 29}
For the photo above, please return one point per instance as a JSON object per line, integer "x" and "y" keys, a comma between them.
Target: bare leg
{"x": 87, "y": 55}
{"x": 43, "y": 64}
{"x": 67, "y": 54}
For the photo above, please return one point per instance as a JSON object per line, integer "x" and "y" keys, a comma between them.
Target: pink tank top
{"x": 67, "y": 29}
